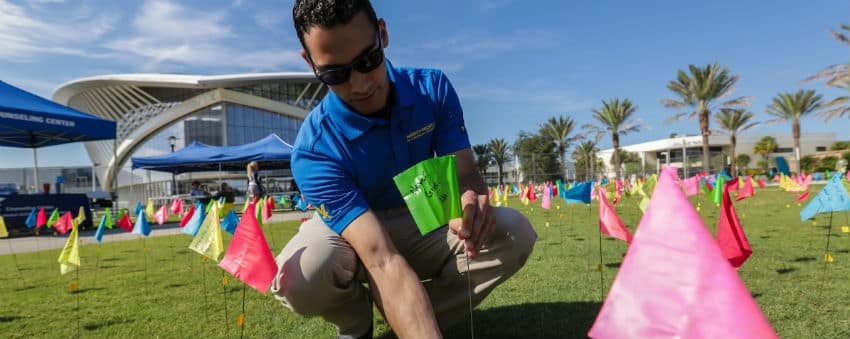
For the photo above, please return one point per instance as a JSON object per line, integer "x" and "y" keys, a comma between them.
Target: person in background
{"x": 255, "y": 185}
{"x": 196, "y": 189}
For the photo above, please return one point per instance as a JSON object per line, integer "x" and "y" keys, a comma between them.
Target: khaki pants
{"x": 319, "y": 273}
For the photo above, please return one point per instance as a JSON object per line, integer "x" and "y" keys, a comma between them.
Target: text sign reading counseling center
{"x": 430, "y": 190}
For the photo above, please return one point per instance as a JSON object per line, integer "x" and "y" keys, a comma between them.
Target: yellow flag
{"x": 149, "y": 210}
{"x": 497, "y": 197}
{"x": 3, "y": 231}
{"x": 845, "y": 229}
{"x": 81, "y": 216}
{"x": 208, "y": 240}
{"x": 69, "y": 259}
{"x": 828, "y": 257}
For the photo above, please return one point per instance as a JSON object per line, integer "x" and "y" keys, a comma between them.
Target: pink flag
{"x": 545, "y": 203}
{"x": 730, "y": 235}
{"x": 675, "y": 283}
{"x": 747, "y": 191}
{"x": 761, "y": 183}
{"x": 177, "y": 206}
{"x": 691, "y": 185}
{"x": 248, "y": 256}
{"x": 267, "y": 211}
{"x": 609, "y": 221}
{"x": 65, "y": 223}
{"x": 802, "y": 197}
{"x": 733, "y": 184}
{"x": 188, "y": 216}
{"x": 161, "y": 215}
{"x": 41, "y": 218}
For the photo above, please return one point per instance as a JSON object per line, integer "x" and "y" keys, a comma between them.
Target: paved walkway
{"x": 45, "y": 242}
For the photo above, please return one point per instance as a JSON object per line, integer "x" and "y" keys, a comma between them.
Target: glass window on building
{"x": 248, "y": 124}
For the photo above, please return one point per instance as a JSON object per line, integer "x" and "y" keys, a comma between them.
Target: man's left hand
{"x": 477, "y": 223}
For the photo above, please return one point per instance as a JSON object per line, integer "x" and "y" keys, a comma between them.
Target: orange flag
{"x": 730, "y": 235}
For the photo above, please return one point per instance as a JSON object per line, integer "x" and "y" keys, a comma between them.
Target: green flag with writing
{"x": 430, "y": 190}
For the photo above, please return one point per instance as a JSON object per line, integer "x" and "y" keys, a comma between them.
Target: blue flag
{"x": 139, "y": 208}
{"x": 579, "y": 193}
{"x": 142, "y": 226}
{"x": 195, "y": 221}
{"x": 98, "y": 235}
{"x": 782, "y": 166}
{"x": 833, "y": 197}
{"x": 230, "y": 222}
{"x": 301, "y": 204}
{"x": 31, "y": 219}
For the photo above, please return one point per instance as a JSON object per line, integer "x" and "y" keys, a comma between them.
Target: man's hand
{"x": 477, "y": 223}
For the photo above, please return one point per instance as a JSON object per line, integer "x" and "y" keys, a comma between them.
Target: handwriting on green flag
{"x": 430, "y": 190}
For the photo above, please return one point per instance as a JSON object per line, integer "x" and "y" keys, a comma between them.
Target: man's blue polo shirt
{"x": 344, "y": 162}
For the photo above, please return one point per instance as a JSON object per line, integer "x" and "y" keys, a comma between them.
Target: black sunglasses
{"x": 366, "y": 62}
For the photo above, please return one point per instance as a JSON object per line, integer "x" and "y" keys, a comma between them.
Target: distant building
{"x": 215, "y": 110}
{"x": 656, "y": 153}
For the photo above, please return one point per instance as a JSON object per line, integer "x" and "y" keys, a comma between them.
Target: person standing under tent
{"x": 255, "y": 185}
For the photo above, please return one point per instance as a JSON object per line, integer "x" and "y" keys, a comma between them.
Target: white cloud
{"x": 169, "y": 34}
{"x": 24, "y": 35}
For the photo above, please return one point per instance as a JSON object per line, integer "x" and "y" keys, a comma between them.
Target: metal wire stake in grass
{"x": 224, "y": 289}
{"x": 15, "y": 259}
{"x": 599, "y": 267}
{"x": 77, "y": 292}
{"x": 827, "y": 257}
{"x": 97, "y": 265}
{"x": 206, "y": 299}
{"x": 145, "y": 255}
{"x": 241, "y": 320}
{"x": 469, "y": 293}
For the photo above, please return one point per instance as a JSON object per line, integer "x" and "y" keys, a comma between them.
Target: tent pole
{"x": 219, "y": 177}
{"x": 130, "y": 202}
{"x": 35, "y": 169}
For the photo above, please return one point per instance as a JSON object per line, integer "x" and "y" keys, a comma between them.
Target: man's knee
{"x": 519, "y": 234}
{"x": 307, "y": 277}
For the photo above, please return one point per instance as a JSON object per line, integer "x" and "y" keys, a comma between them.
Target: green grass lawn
{"x": 556, "y": 295}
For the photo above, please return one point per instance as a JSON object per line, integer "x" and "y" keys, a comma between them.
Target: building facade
{"x": 161, "y": 113}
{"x": 654, "y": 154}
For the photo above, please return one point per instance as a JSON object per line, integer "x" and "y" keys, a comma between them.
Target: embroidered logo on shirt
{"x": 420, "y": 132}
{"x": 323, "y": 212}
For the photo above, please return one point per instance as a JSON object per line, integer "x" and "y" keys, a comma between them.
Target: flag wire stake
{"x": 469, "y": 293}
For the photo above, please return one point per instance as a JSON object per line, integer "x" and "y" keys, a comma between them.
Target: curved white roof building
{"x": 216, "y": 110}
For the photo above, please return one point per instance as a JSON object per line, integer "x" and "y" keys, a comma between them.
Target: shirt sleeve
{"x": 329, "y": 188}
{"x": 450, "y": 132}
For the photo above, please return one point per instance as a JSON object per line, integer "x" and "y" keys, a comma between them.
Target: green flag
{"x": 430, "y": 190}
{"x": 209, "y": 205}
{"x": 53, "y": 217}
{"x": 107, "y": 214}
{"x": 717, "y": 192}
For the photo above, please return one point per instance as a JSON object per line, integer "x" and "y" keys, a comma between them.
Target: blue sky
{"x": 513, "y": 63}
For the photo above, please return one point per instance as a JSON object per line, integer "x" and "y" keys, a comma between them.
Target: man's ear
{"x": 306, "y": 59}
{"x": 385, "y": 36}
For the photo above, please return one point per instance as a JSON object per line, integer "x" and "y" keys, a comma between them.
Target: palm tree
{"x": 585, "y": 153}
{"x": 482, "y": 158}
{"x": 837, "y": 75}
{"x": 791, "y": 106}
{"x": 700, "y": 90}
{"x": 559, "y": 130}
{"x": 743, "y": 160}
{"x": 764, "y": 147}
{"x": 734, "y": 121}
{"x": 499, "y": 151}
{"x": 616, "y": 118}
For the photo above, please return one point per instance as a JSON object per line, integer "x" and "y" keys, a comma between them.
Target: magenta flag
{"x": 747, "y": 191}
{"x": 177, "y": 206}
{"x": 248, "y": 256}
{"x": 802, "y": 197}
{"x": 188, "y": 216}
{"x": 65, "y": 223}
{"x": 609, "y": 221}
{"x": 730, "y": 235}
{"x": 545, "y": 203}
{"x": 761, "y": 183}
{"x": 41, "y": 218}
{"x": 675, "y": 283}
{"x": 691, "y": 185}
{"x": 161, "y": 215}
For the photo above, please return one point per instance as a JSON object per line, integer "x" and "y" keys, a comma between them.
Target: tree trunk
{"x": 501, "y": 182}
{"x": 703, "y": 126}
{"x": 795, "y": 130}
{"x": 732, "y": 141}
{"x": 615, "y": 139}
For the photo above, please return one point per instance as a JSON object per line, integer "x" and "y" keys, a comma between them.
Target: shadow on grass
{"x": 579, "y": 239}
{"x": 804, "y": 259}
{"x": 785, "y": 270}
{"x": 613, "y": 265}
{"x": 756, "y": 295}
{"x": 175, "y": 285}
{"x": 539, "y": 320}
{"x": 19, "y": 289}
{"x": 4, "y": 319}
{"x": 88, "y": 289}
{"x": 110, "y": 322}
{"x": 110, "y": 259}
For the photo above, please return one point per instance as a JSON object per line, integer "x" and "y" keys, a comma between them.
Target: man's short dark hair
{"x": 328, "y": 13}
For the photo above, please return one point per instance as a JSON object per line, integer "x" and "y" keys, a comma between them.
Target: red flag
{"x": 802, "y": 197}
{"x": 41, "y": 218}
{"x": 65, "y": 223}
{"x": 125, "y": 223}
{"x": 530, "y": 193}
{"x": 708, "y": 186}
{"x": 161, "y": 215}
{"x": 733, "y": 184}
{"x": 609, "y": 221}
{"x": 188, "y": 216}
{"x": 249, "y": 257}
{"x": 747, "y": 191}
{"x": 730, "y": 235}
{"x": 177, "y": 206}
{"x": 267, "y": 209}
{"x": 761, "y": 183}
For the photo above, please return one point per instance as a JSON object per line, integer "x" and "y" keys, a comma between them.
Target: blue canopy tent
{"x": 30, "y": 121}
{"x": 272, "y": 151}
